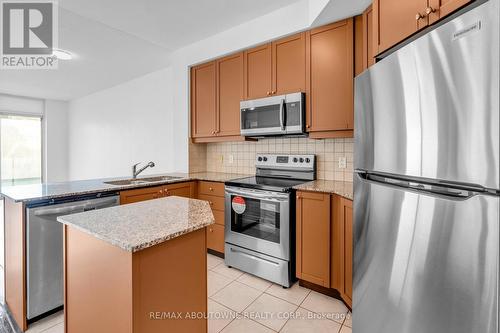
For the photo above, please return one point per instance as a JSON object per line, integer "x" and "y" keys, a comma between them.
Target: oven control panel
{"x": 285, "y": 161}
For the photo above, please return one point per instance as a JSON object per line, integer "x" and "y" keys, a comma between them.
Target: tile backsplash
{"x": 239, "y": 157}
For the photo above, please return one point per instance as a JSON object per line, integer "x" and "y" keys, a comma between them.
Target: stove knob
{"x": 295, "y": 160}
{"x": 259, "y": 159}
{"x": 308, "y": 160}
{"x": 265, "y": 159}
{"x": 301, "y": 160}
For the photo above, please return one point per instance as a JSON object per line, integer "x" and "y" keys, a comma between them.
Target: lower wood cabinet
{"x": 324, "y": 241}
{"x": 184, "y": 189}
{"x": 215, "y": 237}
{"x": 313, "y": 238}
{"x": 213, "y": 192}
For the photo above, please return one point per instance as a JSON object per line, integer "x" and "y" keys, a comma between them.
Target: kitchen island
{"x": 137, "y": 268}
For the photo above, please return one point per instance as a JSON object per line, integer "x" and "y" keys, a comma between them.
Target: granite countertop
{"x": 45, "y": 191}
{"x": 135, "y": 227}
{"x": 344, "y": 189}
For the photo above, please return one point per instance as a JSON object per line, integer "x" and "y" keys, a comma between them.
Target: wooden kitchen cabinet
{"x": 203, "y": 100}
{"x": 257, "y": 70}
{"x": 141, "y": 194}
{"x": 229, "y": 94}
{"x": 439, "y": 9}
{"x": 368, "y": 52}
{"x": 395, "y": 20}
{"x": 184, "y": 189}
{"x": 324, "y": 242}
{"x": 276, "y": 68}
{"x": 213, "y": 192}
{"x": 313, "y": 238}
{"x": 330, "y": 67}
{"x": 289, "y": 64}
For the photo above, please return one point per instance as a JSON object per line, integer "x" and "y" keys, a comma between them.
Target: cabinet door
{"x": 348, "y": 245}
{"x": 359, "y": 37}
{"x": 368, "y": 36}
{"x": 442, "y": 8}
{"x": 181, "y": 190}
{"x": 331, "y": 73}
{"x": 215, "y": 237}
{"x": 289, "y": 64}
{"x": 257, "y": 64}
{"x": 313, "y": 238}
{"x": 203, "y": 100}
{"x": 396, "y": 20}
{"x": 141, "y": 194}
{"x": 229, "y": 94}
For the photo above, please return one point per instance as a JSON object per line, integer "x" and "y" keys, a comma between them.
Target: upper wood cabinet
{"x": 203, "y": 100}
{"x": 276, "y": 68}
{"x": 330, "y": 75}
{"x": 216, "y": 92}
{"x": 368, "y": 51}
{"x": 257, "y": 69}
{"x": 440, "y": 8}
{"x": 313, "y": 238}
{"x": 289, "y": 64}
{"x": 395, "y": 20}
{"x": 359, "y": 61}
{"x": 229, "y": 94}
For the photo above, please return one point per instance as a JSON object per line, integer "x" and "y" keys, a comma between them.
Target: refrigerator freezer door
{"x": 424, "y": 263}
{"x": 431, "y": 109}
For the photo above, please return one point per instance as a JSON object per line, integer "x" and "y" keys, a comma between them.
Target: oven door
{"x": 258, "y": 220}
{"x": 265, "y": 116}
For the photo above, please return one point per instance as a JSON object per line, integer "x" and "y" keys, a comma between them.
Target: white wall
{"x": 114, "y": 128}
{"x": 56, "y": 141}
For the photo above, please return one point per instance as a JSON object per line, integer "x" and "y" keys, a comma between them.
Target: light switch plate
{"x": 342, "y": 162}
{"x": 231, "y": 159}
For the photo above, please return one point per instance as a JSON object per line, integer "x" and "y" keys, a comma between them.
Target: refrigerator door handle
{"x": 457, "y": 193}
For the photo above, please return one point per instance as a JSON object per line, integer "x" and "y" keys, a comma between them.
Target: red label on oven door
{"x": 239, "y": 205}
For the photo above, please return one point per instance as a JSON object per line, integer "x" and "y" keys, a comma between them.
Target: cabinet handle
{"x": 211, "y": 230}
{"x": 273, "y": 92}
{"x": 268, "y": 93}
{"x": 429, "y": 10}
{"x": 308, "y": 126}
{"x": 210, "y": 203}
{"x": 210, "y": 189}
{"x": 161, "y": 191}
{"x": 419, "y": 16}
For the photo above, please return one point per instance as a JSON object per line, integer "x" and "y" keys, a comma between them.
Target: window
{"x": 20, "y": 149}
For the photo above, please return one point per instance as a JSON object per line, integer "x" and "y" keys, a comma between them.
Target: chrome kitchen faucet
{"x": 136, "y": 172}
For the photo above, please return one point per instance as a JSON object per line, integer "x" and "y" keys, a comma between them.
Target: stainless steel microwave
{"x": 276, "y": 115}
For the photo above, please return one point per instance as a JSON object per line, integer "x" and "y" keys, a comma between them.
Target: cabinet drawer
{"x": 211, "y": 188}
{"x": 219, "y": 216}
{"x": 217, "y": 203}
{"x": 215, "y": 238}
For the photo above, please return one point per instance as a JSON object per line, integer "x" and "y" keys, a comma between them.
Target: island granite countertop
{"x": 135, "y": 227}
{"x": 344, "y": 189}
{"x": 46, "y": 191}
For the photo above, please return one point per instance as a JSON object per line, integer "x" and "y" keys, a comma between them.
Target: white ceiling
{"x": 118, "y": 40}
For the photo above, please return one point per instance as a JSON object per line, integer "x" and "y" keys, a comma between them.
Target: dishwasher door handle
{"x": 60, "y": 211}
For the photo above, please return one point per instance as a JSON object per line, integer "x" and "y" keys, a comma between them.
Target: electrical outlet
{"x": 231, "y": 159}
{"x": 342, "y": 162}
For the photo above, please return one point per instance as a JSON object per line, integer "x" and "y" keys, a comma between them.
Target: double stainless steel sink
{"x": 141, "y": 181}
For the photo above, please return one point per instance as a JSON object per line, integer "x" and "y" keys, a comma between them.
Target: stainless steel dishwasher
{"x": 44, "y": 239}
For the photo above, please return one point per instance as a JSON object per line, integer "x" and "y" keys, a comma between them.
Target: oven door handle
{"x": 269, "y": 196}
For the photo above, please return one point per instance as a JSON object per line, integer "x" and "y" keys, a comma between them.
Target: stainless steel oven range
{"x": 260, "y": 217}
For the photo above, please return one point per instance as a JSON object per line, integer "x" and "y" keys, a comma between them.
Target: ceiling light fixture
{"x": 62, "y": 54}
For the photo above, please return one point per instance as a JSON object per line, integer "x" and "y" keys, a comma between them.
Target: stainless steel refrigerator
{"x": 427, "y": 183}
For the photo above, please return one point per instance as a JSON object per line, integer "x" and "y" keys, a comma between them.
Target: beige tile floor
{"x": 239, "y": 302}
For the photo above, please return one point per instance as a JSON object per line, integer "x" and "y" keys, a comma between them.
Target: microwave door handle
{"x": 282, "y": 114}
